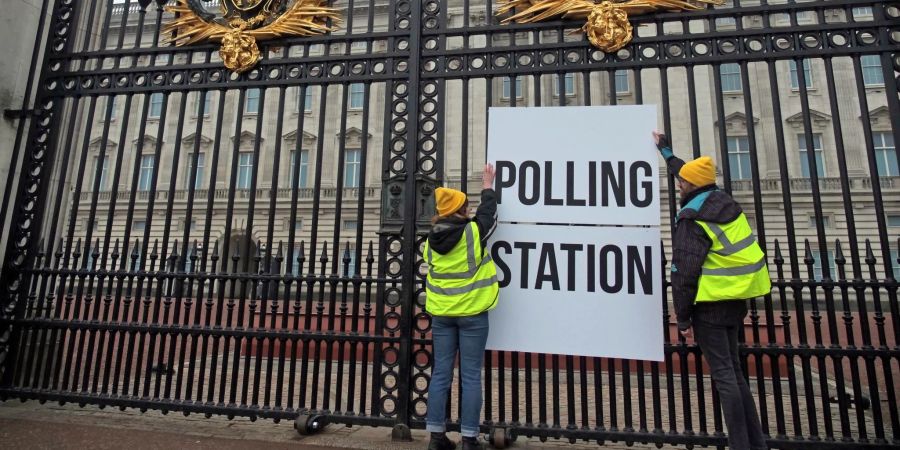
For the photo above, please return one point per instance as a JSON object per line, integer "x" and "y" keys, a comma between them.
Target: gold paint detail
{"x": 239, "y": 49}
{"x": 607, "y": 24}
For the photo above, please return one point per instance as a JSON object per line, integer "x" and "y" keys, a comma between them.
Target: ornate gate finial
{"x": 607, "y": 25}
{"x": 242, "y": 22}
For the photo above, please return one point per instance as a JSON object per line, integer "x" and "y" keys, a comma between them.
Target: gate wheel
{"x": 307, "y": 425}
{"x": 499, "y": 438}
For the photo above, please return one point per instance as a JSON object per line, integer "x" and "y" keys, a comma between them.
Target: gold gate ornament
{"x": 242, "y": 22}
{"x": 607, "y": 25}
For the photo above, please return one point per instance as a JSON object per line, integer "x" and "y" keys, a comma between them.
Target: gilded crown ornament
{"x": 240, "y": 23}
{"x": 607, "y": 26}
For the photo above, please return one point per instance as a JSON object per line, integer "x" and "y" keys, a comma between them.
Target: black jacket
{"x": 690, "y": 245}
{"x": 446, "y": 232}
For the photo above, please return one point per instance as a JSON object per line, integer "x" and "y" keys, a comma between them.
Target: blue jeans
{"x": 468, "y": 335}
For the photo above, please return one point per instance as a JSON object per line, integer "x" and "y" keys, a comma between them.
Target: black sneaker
{"x": 441, "y": 442}
{"x": 470, "y": 443}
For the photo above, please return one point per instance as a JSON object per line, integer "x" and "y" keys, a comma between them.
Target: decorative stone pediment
{"x": 97, "y": 143}
{"x": 819, "y": 119}
{"x": 247, "y": 139}
{"x": 737, "y": 121}
{"x": 308, "y": 138}
{"x": 353, "y": 138}
{"x": 880, "y": 118}
{"x": 189, "y": 139}
{"x": 145, "y": 143}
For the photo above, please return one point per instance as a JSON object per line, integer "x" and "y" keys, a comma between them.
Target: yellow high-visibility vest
{"x": 462, "y": 282}
{"x": 735, "y": 266}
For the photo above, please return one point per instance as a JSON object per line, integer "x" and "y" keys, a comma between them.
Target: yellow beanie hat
{"x": 448, "y": 201}
{"x": 699, "y": 172}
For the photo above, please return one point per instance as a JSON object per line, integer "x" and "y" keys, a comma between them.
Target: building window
{"x": 893, "y": 220}
{"x": 569, "y": 82}
{"x": 350, "y": 225}
{"x": 826, "y": 221}
{"x": 104, "y": 171}
{"x": 895, "y": 264}
{"x": 302, "y": 170}
{"x": 307, "y": 98}
{"x": 245, "y": 170}
{"x": 871, "y": 70}
{"x": 739, "y": 157}
{"x": 252, "y": 105}
{"x": 201, "y": 165}
{"x": 726, "y": 22}
{"x": 351, "y": 168}
{"x": 817, "y": 264}
{"x": 357, "y": 95}
{"x": 807, "y": 74}
{"x": 507, "y": 83}
{"x": 885, "y": 154}
{"x": 298, "y": 225}
{"x": 865, "y": 11}
{"x": 145, "y": 180}
{"x": 138, "y": 227}
{"x": 819, "y": 156}
{"x": 203, "y": 107}
{"x": 156, "y": 105}
{"x": 622, "y": 82}
{"x": 730, "y": 76}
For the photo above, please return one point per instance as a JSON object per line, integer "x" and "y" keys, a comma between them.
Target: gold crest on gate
{"x": 238, "y": 24}
{"x": 607, "y": 25}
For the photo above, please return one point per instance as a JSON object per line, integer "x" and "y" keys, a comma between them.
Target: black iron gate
{"x": 187, "y": 239}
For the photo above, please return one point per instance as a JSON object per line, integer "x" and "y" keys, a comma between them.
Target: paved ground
{"x": 32, "y": 425}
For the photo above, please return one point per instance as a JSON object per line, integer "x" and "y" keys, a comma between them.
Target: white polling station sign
{"x": 576, "y": 165}
{"x": 580, "y": 269}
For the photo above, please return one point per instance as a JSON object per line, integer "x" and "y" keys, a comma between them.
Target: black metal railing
{"x": 121, "y": 287}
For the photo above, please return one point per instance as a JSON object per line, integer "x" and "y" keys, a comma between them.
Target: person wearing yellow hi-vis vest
{"x": 717, "y": 266}
{"x": 460, "y": 288}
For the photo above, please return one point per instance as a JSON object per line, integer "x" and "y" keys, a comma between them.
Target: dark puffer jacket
{"x": 690, "y": 244}
{"x": 446, "y": 232}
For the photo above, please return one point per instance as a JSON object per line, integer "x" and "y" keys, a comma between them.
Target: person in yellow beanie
{"x": 717, "y": 266}
{"x": 460, "y": 288}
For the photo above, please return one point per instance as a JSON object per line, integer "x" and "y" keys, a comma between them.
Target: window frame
{"x": 819, "y": 155}
{"x": 145, "y": 184}
{"x": 739, "y": 152}
{"x": 104, "y": 173}
{"x": 255, "y": 98}
{"x": 356, "y": 163}
{"x": 201, "y": 170}
{"x": 153, "y": 104}
{"x": 203, "y": 108}
{"x": 360, "y": 96}
{"x": 617, "y": 76}
{"x": 883, "y": 153}
{"x": 795, "y": 77}
{"x": 568, "y": 77}
{"x": 303, "y": 177}
{"x": 305, "y": 101}
{"x": 506, "y": 88}
{"x": 241, "y": 182}
{"x": 863, "y": 66}
{"x": 723, "y": 74}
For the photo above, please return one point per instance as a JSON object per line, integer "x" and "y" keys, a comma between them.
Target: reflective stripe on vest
{"x": 735, "y": 267}
{"x": 470, "y": 259}
{"x": 462, "y": 282}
